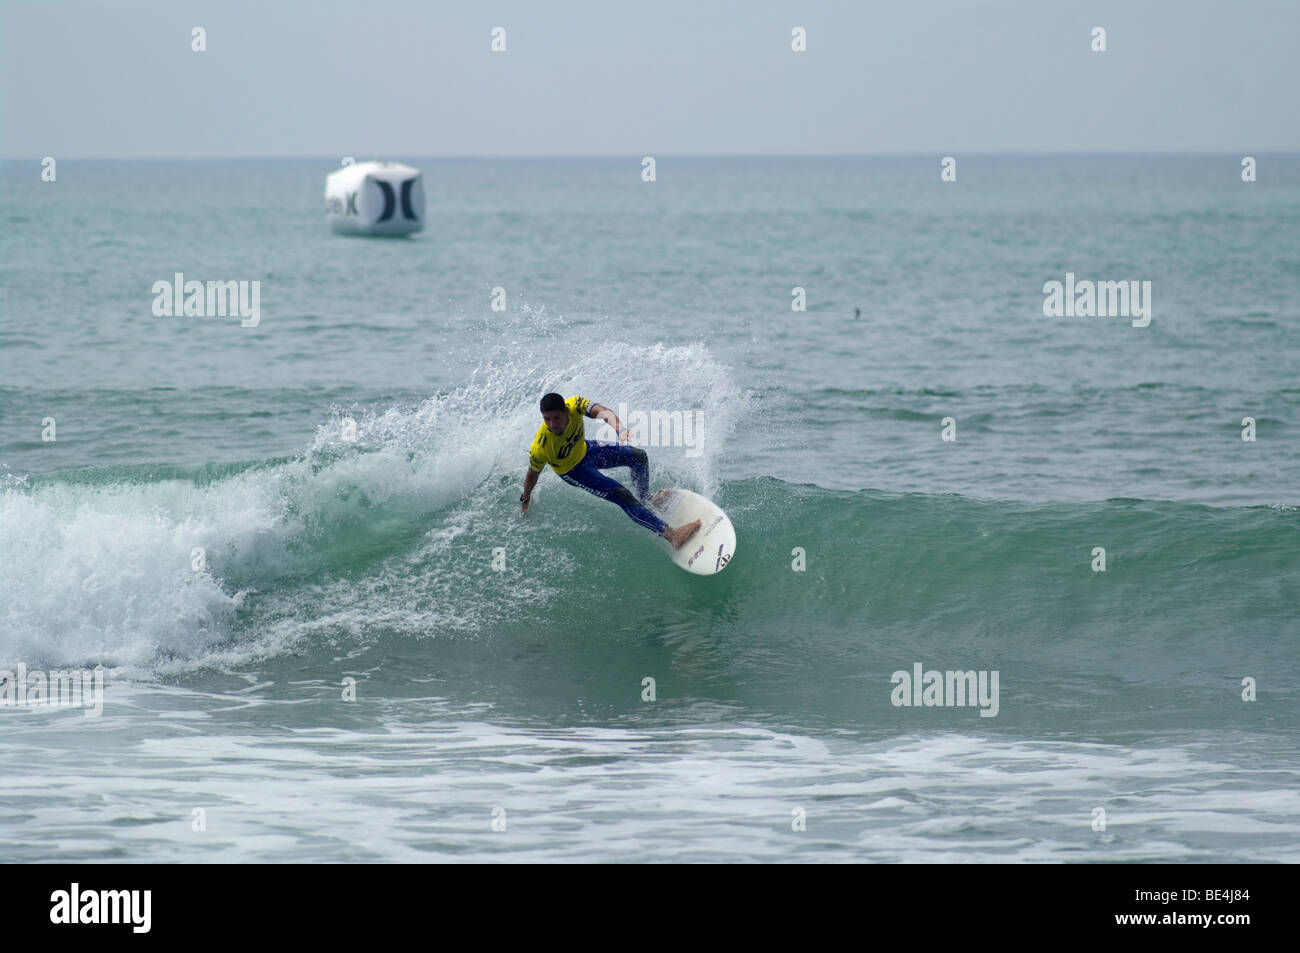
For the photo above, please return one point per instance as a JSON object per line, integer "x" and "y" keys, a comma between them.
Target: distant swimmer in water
{"x": 561, "y": 442}
{"x": 857, "y": 313}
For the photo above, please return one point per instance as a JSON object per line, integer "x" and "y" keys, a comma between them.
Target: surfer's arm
{"x": 601, "y": 412}
{"x": 530, "y": 481}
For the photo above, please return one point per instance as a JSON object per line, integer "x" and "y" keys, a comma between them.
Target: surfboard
{"x": 713, "y": 544}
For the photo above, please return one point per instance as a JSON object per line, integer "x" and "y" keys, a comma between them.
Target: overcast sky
{"x": 118, "y": 78}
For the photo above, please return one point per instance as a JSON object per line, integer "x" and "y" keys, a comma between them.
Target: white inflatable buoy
{"x": 375, "y": 198}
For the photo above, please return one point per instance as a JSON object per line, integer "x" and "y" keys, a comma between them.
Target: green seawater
{"x": 349, "y": 469}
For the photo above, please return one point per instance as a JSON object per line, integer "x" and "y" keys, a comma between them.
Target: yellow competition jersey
{"x": 563, "y": 452}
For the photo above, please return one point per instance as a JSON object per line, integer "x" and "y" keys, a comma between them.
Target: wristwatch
{"x": 521, "y": 498}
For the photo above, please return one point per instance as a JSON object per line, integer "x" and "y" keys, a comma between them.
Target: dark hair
{"x": 552, "y": 402}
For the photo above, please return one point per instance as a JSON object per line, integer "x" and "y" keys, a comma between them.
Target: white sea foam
{"x": 426, "y": 781}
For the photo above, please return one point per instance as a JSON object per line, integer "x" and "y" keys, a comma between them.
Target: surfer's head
{"x": 554, "y": 413}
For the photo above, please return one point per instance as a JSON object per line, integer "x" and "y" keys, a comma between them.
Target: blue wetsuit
{"x": 607, "y": 456}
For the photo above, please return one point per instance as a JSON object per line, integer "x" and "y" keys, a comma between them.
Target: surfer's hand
{"x": 623, "y": 435}
{"x": 523, "y": 507}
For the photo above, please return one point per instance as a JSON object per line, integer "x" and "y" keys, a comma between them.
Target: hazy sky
{"x": 614, "y": 77}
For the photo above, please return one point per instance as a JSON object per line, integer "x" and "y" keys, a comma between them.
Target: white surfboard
{"x": 713, "y": 544}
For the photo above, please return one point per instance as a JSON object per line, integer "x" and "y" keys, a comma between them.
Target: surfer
{"x": 561, "y": 442}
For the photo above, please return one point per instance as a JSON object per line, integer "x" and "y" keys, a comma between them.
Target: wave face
{"x": 410, "y": 532}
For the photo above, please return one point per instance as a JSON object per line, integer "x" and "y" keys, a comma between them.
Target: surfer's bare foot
{"x": 677, "y": 535}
